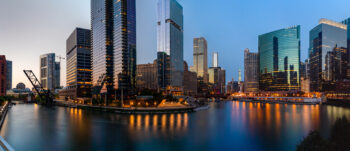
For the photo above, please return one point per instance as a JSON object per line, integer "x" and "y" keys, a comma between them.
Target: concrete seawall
{"x": 132, "y": 110}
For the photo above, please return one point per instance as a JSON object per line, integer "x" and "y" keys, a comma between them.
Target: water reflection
{"x": 225, "y": 126}
{"x": 168, "y": 124}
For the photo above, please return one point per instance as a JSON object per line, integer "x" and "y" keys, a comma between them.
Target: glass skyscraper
{"x": 79, "y": 63}
{"x": 49, "y": 71}
{"x": 200, "y": 58}
{"x": 114, "y": 43}
{"x": 324, "y": 38}
{"x": 279, "y": 59}
{"x": 170, "y": 44}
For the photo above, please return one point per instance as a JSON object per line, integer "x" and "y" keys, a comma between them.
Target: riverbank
{"x": 281, "y": 100}
{"x": 131, "y": 110}
{"x": 3, "y": 112}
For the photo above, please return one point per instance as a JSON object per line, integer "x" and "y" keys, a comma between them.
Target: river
{"x": 228, "y": 125}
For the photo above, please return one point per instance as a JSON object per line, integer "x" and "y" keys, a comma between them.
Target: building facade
{"x": 217, "y": 77}
{"x": 200, "y": 58}
{"x": 49, "y": 72}
{"x": 170, "y": 45}
{"x": 190, "y": 86}
{"x": 251, "y": 71}
{"x": 113, "y": 24}
{"x": 3, "y": 73}
{"x": 79, "y": 64}
{"x": 279, "y": 59}
{"x": 147, "y": 77}
{"x": 9, "y": 74}
{"x": 324, "y": 38}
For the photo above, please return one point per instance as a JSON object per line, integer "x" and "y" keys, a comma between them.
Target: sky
{"x": 30, "y": 28}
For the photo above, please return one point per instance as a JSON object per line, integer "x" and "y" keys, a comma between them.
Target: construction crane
{"x": 60, "y": 58}
{"x": 43, "y": 94}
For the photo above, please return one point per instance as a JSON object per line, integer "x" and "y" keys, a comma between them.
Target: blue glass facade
{"x": 124, "y": 42}
{"x": 114, "y": 42}
{"x": 324, "y": 38}
{"x": 170, "y": 41}
{"x": 279, "y": 59}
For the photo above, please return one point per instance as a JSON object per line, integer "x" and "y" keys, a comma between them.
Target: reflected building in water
{"x": 279, "y": 59}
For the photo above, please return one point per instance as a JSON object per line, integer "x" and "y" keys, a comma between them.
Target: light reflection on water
{"x": 225, "y": 126}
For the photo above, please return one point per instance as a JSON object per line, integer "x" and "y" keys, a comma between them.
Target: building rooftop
{"x": 332, "y": 23}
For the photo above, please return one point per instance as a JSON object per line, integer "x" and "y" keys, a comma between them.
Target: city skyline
{"x": 194, "y": 18}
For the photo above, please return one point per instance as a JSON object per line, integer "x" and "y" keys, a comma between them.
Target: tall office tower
{"x": 307, "y": 69}
{"x": 9, "y": 75}
{"x": 113, "y": 24}
{"x": 3, "y": 73}
{"x": 347, "y": 23}
{"x": 58, "y": 75}
{"x": 79, "y": 63}
{"x": 251, "y": 71}
{"x": 200, "y": 58}
{"x": 49, "y": 71}
{"x": 279, "y": 60}
{"x": 326, "y": 36}
{"x": 170, "y": 45}
{"x": 215, "y": 60}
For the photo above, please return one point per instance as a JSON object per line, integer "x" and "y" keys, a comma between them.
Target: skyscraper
{"x": 326, "y": 36}
{"x": 279, "y": 59}
{"x": 251, "y": 71}
{"x": 9, "y": 74}
{"x": 79, "y": 63}
{"x": 113, "y": 24}
{"x": 170, "y": 45}
{"x": 3, "y": 73}
{"x": 200, "y": 58}
{"x": 215, "y": 59}
{"x": 217, "y": 76}
{"x": 49, "y": 71}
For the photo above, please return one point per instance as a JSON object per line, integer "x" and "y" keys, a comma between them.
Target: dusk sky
{"x": 29, "y": 28}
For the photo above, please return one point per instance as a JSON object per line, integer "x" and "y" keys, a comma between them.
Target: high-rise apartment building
{"x": 113, "y": 24}
{"x": 279, "y": 59}
{"x": 324, "y": 38}
{"x": 9, "y": 74}
{"x": 200, "y": 58}
{"x": 170, "y": 45}
{"x": 79, "y": 63}
{"x": 251, "y": 71}
{"x": 3, "y": 73}
{"x": 49, "y": 72}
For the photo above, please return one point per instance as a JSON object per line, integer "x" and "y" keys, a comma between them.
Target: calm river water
{"x": 225, "y": 126}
